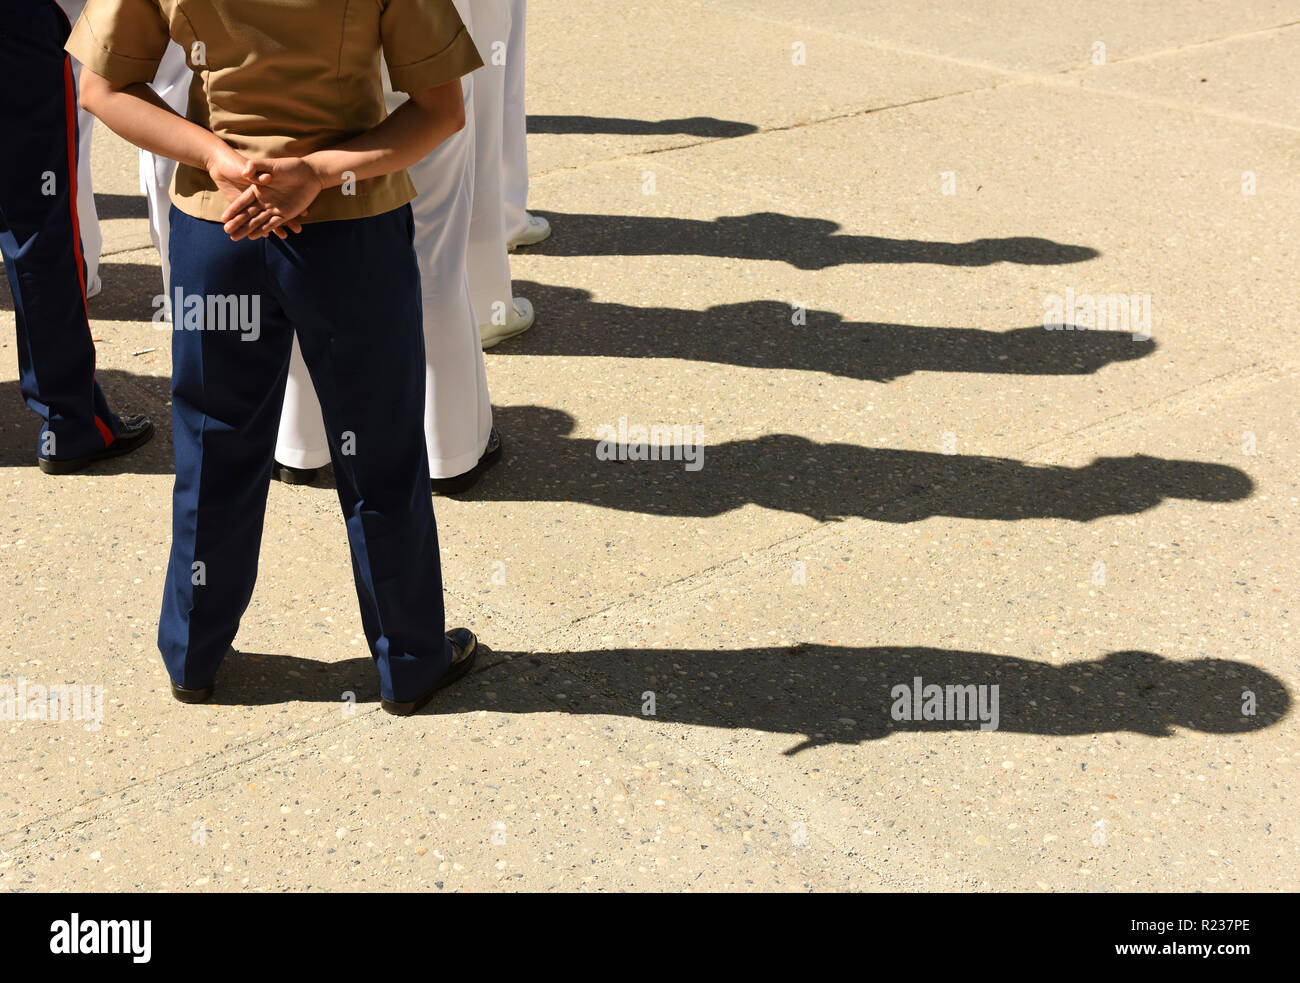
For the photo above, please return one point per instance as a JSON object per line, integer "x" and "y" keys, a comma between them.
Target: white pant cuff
{"x": 295, "y": 457}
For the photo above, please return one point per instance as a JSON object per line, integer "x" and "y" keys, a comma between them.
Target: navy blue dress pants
{"x": 350, "y": 290}
{"x": 39, "y": 234}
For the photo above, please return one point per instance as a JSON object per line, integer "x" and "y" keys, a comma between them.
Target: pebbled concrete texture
{"x": 840, "y": 276}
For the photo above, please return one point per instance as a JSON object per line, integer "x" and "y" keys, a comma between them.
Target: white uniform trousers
{"x": 457, "y": 409}
{"x": 514, "y": 146}
{"x": 489, "y": 263}
{"x": 172, "y": 83}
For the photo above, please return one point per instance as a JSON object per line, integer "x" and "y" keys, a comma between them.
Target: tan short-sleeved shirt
{"x": 278, "y": 78}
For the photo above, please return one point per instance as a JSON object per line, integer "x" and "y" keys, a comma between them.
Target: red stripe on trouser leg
{"x": 70, "y": 115}
{"x": 104, "y": 431}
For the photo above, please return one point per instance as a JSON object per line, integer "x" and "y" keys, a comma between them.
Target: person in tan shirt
{"x": 290, "y": 216}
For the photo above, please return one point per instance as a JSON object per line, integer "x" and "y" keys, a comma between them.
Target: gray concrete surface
{"x": 918, "y": 480}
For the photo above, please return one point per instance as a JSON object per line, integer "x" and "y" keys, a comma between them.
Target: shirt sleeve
{"x": 122, "y": 40}
{"x": 425, "y": 44}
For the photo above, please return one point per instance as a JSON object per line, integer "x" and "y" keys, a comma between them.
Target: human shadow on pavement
{"x": 826, "y": 694}
{"x": 805, "y": 243}
{"x": 761, "y": 334}
{"x": 696, "y": 126}
{"x": 831, "y": 481}
{"x": 128, "y": 393}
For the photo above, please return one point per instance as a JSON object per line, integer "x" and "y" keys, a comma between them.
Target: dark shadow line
{"x": 697, "y": 126}
{"x": 768, "y": 334}
{"x": 826, "y": 694}
{"x": 805, "y": 243}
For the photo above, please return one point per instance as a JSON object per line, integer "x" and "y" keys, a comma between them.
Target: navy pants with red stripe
{"x": 39, "y": 236}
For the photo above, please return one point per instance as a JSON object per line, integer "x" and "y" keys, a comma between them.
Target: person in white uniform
{"x": 459, "y": 435}
{"x": 92, "y": 239}
{"x": 501, "y": 315}
{"x": 172, "y": 83}
{"x": 522, "y": 229}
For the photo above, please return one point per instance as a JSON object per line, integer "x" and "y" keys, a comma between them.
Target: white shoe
{"x": 535, "y": 230}
{"x": 94, "y": 287}
{"x": 519, "y": 320}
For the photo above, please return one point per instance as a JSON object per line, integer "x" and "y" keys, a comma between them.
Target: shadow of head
{"x": 541, "y": 424}
{"x": 1215, "y": 696}
{"x": 1066, "y": 352}
{"x": 1198, "y": 480}
{"x": 1029, "y": 250}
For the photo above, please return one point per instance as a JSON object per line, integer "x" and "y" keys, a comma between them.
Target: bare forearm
{"x": 408, "y": 135}
{"x": 136, "y": 113}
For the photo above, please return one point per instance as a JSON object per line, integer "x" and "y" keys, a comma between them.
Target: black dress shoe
{"x": 464, "y": 652}
{"x": 197, "y": 695}
{"x": 464, "y": 482}
{"x": 134, "y": 432}
{"x": 192, "y": 695}
{"x": 294, "y": 476}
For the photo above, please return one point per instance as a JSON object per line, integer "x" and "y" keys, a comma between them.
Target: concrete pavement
{"x": 826, "y": 238}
